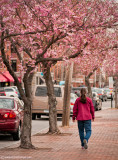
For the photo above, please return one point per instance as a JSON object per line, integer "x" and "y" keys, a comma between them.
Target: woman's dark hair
{"x": 83, "y": 95}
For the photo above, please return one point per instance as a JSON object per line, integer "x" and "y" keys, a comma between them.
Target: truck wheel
{"x": 33, "y": 116}
{"x": 16, "y": 136}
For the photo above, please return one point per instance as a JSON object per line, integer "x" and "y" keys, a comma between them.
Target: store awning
{"x": 3, "y": 79}
{"x": 7, "y": 75}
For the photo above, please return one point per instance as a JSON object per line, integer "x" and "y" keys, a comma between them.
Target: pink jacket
{"x": 83, "y": 111}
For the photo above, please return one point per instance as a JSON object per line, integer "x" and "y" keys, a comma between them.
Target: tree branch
{"x": 14, "y": 46}
{"x": 52, "y": 41}
{"x": 34, "y": 13}
{"x": 61, "y": 58}
{"x": 28, "y": 52}
{"x": 91, "y": 73}
{"x": 25, "y": 33}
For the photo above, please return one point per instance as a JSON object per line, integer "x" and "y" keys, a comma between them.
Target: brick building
{"x": 5, "y": 78}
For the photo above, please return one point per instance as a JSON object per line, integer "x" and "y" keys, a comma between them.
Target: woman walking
{"x": 83, "y": 112}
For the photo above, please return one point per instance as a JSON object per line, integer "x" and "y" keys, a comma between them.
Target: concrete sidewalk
{"x": 103, "y": 144}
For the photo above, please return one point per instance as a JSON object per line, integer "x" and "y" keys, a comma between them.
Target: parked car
{"x": 101, "y": 93}
{"x": 73, "y": 98}
{"x": 2, "y": 92}
{"x": 96, "y": 101}
{"x": 11, "y": 116}
{"x": 10, "y": 92}
{"x": 95, "y": 97}
{"x": 109, "y": 92}
{"x": 76, "y": 90}
{"x": 15, "y": 87}
{"x": 40, "y": 101}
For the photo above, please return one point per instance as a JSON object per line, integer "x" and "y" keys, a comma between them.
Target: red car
{"x": 11, "y": 116}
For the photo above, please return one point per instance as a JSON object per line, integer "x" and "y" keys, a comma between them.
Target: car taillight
{"x": 6, "y": 115}
{"x": 16, "y": 92}
{"x": 71, "y": 103}
{"x": 10, "y": 115}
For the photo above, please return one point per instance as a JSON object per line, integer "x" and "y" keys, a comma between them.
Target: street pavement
{"x": 103, "y": 144}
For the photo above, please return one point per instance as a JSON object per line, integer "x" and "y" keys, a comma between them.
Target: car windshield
{"x": 42, "y": 91}
{"x": 97, "y": 90}
{"x": 107, "y": 90}
{"x": 6, "y": 103}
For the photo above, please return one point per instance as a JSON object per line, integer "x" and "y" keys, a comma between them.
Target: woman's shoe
{"x": 85, "y": 144}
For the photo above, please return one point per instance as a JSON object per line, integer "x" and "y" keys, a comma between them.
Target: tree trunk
{"x": 116, "y": 94}
{"x": 27, "y": 121}
{"x": 66, "y": 101}
{"x": 26, "y": 128}
{"x": 51, "y": 102}
{"x": 88, "y": 86}
{"x": 88, "y": 83}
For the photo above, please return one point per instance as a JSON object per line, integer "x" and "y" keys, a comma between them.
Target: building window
{"x": 14, "y": 65}
{"x": 12, "y": 49}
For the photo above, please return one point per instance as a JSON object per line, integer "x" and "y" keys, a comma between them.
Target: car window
{"x": 1, "y": 90}
{"x": 42, "y": 91}
{"x": 7, "y": 103}
{"x": 57, "y": 91}
{"x": 9, "y": 90}
{"x": 107, "y": 90}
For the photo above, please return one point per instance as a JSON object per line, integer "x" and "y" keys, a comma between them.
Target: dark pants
{"x": 84, "y": 130}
